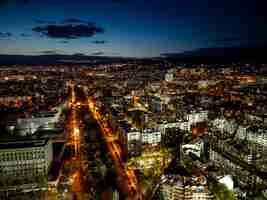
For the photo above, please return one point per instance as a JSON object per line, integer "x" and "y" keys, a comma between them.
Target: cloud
{"x": 170, "y": 54}
{"x": 69, "y": 31}
{"x": 99, "y": 42}
{"x": 54, "y": 51}
{"x": 64, "y": 42}
{"x": 64, "y": 22}
{"x": 229, "y": 39}
{"x": 40, "y": 21}
{"x": 49, "y": 52}
{"x": 98, "y": 53}
{"x": 25, "y": 35}
{"x": 5, "y": 34}
{"x": 78, "y": 54}
{"x": 75, "y": 20}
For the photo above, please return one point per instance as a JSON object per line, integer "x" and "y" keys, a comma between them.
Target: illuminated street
{"x": 129, "y": 182}
{"x": 73, "y": 165}
{"x": 133, "y": 100}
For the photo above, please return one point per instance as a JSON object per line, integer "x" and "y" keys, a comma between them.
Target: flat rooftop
{"x": 45, "y": 114}
{"x": 23, "y": 144}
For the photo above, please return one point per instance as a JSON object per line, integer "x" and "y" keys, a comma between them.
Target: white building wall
{"x": 28, "y": 161}
{"x": 197, "y": 117}
{"x": 133, "y": 135}
{"x": 151, "y": 136}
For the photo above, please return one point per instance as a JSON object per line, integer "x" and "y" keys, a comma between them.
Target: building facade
{"x": 151, "y": 136}
{"x": 178, "y": 188}
{"x": 47, "y": 120}
{"x": 23, "y": 159}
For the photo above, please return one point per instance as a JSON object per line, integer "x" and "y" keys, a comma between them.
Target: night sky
{"x": 131, "y": 28}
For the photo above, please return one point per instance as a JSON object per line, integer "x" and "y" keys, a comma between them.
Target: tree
{"x": 220, "y": 191}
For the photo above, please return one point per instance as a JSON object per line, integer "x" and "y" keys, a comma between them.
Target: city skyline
{"x": 133, "y": 100}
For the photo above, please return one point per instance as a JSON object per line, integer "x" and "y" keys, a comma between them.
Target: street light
{"x": 76, "y": 131}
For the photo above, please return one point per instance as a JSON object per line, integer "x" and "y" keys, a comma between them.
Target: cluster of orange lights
{"x": 128, "y": 172}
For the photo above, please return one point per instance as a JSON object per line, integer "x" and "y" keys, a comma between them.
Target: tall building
{"x": 25, "y": 159}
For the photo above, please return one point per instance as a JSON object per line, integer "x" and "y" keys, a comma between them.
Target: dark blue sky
{"x": 141, "y": 28}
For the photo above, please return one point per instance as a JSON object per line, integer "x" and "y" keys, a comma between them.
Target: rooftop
{"x": 23, "y": 144}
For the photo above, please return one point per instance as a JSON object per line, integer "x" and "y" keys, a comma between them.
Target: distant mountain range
{"x": 249, "y": 54}
{"x": 56, "y": 59}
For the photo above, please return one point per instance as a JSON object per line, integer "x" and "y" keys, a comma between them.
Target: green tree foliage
{"x": 220, "y": 191}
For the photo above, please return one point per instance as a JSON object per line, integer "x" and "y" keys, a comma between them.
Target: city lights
{"x": 133, "y": 100}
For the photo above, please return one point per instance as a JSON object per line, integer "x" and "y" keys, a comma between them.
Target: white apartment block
{"x": 25, "y": 158}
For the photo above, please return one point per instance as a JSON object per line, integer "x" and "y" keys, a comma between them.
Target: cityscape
{"x": 133, "y": 114}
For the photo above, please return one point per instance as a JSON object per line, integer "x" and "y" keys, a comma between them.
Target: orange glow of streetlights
{"x": 91, "y": 104}
{"x": 76, "y": 131}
